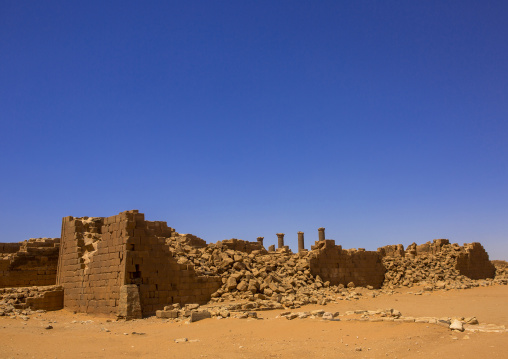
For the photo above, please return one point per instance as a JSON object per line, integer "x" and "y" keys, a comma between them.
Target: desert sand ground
{"x": 85, "y": 336}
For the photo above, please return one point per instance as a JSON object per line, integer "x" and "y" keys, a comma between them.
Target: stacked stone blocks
{"x": 92, "y": 262}
{"x": 243, "y": 246}
{"x": 339, "y": 266}
{"x": 100, "y": 255}
{"x": 29, "y": 263}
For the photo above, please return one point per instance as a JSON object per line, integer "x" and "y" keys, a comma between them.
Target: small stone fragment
{"x": 328, "y": 316}
{"x": 457, "y": 325}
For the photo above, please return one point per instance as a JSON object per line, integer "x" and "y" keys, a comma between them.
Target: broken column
{"x": 271, "y": 248}
{"x": 280, "y": 237}
{"x": 301, "y": 244}
{"x": 260, "y": 240}
{"x": 321, "y": 232}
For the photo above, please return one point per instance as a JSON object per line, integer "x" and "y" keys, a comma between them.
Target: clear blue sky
{"x": 385, "y": 122}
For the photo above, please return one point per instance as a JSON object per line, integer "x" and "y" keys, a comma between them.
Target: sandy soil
{"x": 83, "y": 336}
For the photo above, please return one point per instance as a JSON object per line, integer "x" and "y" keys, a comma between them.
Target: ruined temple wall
{"x": 433, "y": 247}
{"x": 100, "y": 255}
{"x": 10, "y": 247}
{"x": 471, "y": 259}
{"x": 35, "y": 298}
{"x": 392, "y": 250}
{"x": 29, "y": 263}
{"x": 92, "y": 262}
{"x": 241, "y": 245}
{"x": 339, "y": 266}
{"x": 474, "y": 262}
{"x": 161, "y": 280}
{"x": 435, "y": 261}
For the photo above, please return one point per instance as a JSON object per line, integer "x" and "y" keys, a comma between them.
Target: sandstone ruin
{"x": 128, "y": 267}
{"x": 29, "y": 263}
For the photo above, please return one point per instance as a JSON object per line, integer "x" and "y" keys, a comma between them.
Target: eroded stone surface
{"x": 101, "y": 257}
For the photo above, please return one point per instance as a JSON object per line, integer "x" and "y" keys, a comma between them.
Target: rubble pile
{"x": 15, "y": 300}
{"x": 435, "y": 271}
{"x": 285, "y": 278}
{"x": 281, "y": 277}
{"x": 501, "y": 271}
{"x": 434, "y": 265}
{"x": 29, "y": 263}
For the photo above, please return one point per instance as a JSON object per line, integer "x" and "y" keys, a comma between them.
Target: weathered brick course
{"x": 100, "y": 255}
{"x": 29, "y": 263}
{"x": 339, "y": 266}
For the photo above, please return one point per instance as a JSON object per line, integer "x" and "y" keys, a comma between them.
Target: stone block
{"x": 199, "y": 315}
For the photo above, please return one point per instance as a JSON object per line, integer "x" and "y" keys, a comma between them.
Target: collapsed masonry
{"x": 129, "y": 267}
{"x": 122, "y": 265}
{"x": 434, "y": 262}
{"x": 29, "y": 263}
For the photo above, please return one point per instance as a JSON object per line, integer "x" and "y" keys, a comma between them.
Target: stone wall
{"x": 35, "y": 298}
{"x": 434, "y": 247}
{"x": 434, "y": 262}
{"x": 474, "y": 262}
{"x": 339, "y": 266}
{"x": 6, "y": 248}
{"x": 392, "y": 250}
{"x": 160, "y": 278}
{"x": 92, "y": 262}
{"x": 29, "y": 263}
{"x": 101, "y": 255}
{"x": 241, "y": 245}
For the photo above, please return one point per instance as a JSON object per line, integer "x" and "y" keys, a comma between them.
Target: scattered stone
{"x": 200, "y": 315}
{"x": 291, "y": 316}
{"x": 191, "y": 306}
{"x": 167, "y": 314}
{"x": 224, "y": 313}
{"x": 471, "y": 320}
{"x": 327, "y": 316}
{"x": 242, "y": 316}
{"x": 317, "y": 313}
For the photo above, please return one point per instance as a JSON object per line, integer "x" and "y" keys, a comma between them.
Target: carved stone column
{"x": 301, "y": 243}
{"x": 260, "y": 240}
{"x": 280, "y": 237}
{"x": 321, "y": 232}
